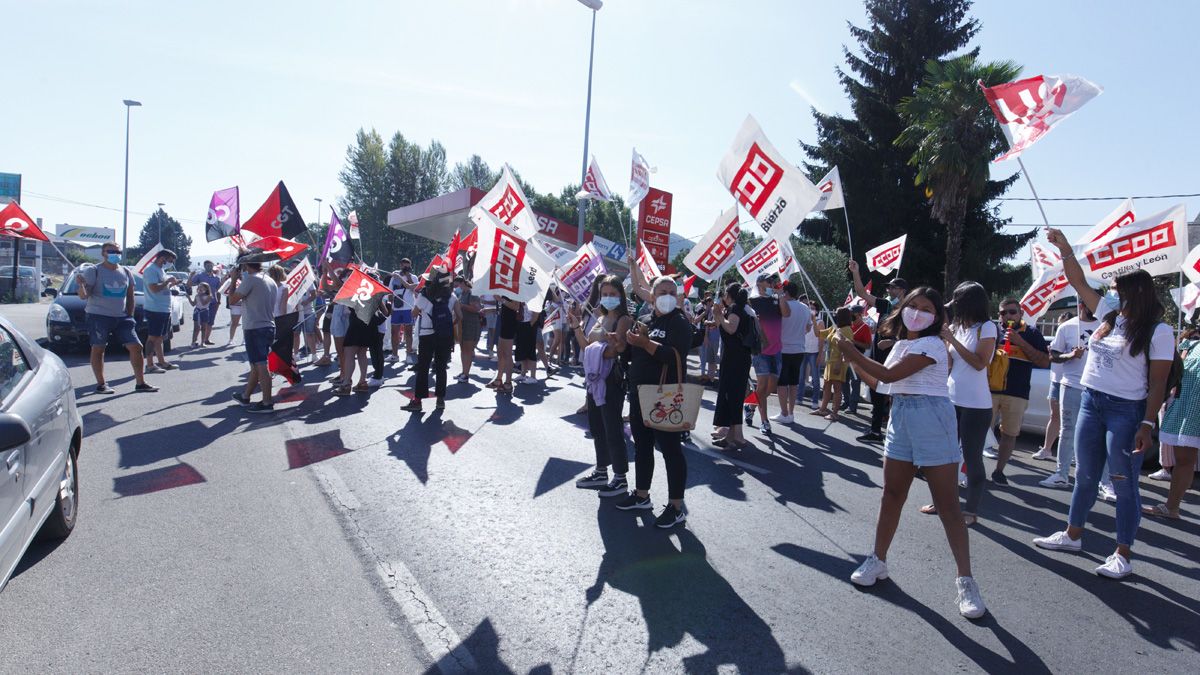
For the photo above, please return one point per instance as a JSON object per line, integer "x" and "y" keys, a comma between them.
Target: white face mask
{"x": 665, "y": 304}
{"x": 916, "y": 320}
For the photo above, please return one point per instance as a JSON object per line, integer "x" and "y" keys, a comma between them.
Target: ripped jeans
{"x": 1105, "y": 429}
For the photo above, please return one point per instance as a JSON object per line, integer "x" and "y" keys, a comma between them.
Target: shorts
{"x": 202, "y": 316}
{"x": 1011, "y": 411}
{"x": 923, "y": 430}
{"x": 100, "y": 328}
{"x": 309, "y": 325}
{"x": 258, "y": 344}
{"x": 339, "y": 324}
{"x": 508, "y": 324}
{"x": 767, "y": 365}
{"x": 525, "y": 344}
{"x": 789, "y": 372}
{"x": 470, "y": 332}
{"x": 158, "y": 324}
{"x": 1053, "y": 395}
{"x": 235, "y": 310}
{"x": 401, "y": 317}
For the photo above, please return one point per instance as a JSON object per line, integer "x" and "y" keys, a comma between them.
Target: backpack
{"x": 997, "y": 370}
{"x": 752, "y": 337}
{"x": 441, "y": 318}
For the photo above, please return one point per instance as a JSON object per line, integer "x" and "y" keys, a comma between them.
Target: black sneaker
{"x": 632, "y": 502}
{"x": 413, "y": 406}
{"x": 670, "y": 517}
{"x": 999, "y": 478}
{"x": 616, "y": 487}
{"x": 749, "y": 415}
{"x": 441, "y": 404}
{"x": 105, "y": 389}
{"x": 237, "y": 396}
{"x": 145, "y": 388}
{"x": 870, "y": 437}
{"x": 594, "y": 479}
{"x": 261, "y": 408}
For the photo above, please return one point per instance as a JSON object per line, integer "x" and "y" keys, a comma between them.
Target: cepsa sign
{"x": 654, "y": 224}
{"x": 507, "y": 256}
{"x": 554, "y": 228}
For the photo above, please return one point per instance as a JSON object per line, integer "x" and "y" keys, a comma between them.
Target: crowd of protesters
{"x": 942, "y": 377}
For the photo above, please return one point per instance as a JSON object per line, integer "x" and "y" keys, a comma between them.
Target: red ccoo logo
{"x": 760, "y": 258}
{"x": 756, "y": 180}
{"x": 508, "y": 207}
{"x": 711, "y": 260}
{"x": 827, "y": 186}
{"x": 886, "y": 257}
{"x": 1131, "y": 246}
{"x": 508, "y": 254}
{"x": 1036, "y": 300}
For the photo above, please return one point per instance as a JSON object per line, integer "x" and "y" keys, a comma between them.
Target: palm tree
{"x": 954, "y": 136}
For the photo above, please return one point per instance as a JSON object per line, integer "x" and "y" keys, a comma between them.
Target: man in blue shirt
{"x": 1027, "y": 349}
{"x": 157, "y": 305}
{"x": 203, "y": 332}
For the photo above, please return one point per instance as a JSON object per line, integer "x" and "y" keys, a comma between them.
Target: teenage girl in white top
{"x": 922, "y": 432}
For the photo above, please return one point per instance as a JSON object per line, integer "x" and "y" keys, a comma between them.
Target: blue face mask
{"x": 169, "y": 266}
{"x": 113, "y": 258}
{"x": 610, "y": 302}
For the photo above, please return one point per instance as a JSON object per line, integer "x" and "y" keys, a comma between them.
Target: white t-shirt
{"x": 812, "y": 342}
{"x": 931, "y": 380}
{"x": 969, "y": 387}
{"x": 403, "y": 296}
{"x": 425, "y": 323}
{"x": 1111, "y": 369}
{"x": 795, "y": 327}
{"x": 1071, "y": 334}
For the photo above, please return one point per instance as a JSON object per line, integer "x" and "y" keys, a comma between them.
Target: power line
{"x": 75, "y": 202}
{"x": 1094, "y": 199}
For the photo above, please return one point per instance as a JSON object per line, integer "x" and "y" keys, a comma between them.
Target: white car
{"x": 1037, "y": 415}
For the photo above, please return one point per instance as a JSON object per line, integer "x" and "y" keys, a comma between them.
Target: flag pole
{"x": 849, "y": 239}
{"x": 1032, "y": 189}
{"x": 814, "y": 286}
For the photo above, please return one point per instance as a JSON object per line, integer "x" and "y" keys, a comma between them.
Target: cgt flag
{"x": 510, "y": 265}
{"x": 578, "y": 275}
{"x": 594, "y": 185}
{"x": 14, "y": 222}
{"x": 639, "y": 179}
{"x": 713, "y": 254}
{"x": 507, "y": 203}
{"x": 277, "y": 217}
{"x": 362, "y": 294}
{"x": 223, "y": 216}
{"x": 338, "y": 249}
{"x": 1156, "y": 244}
{"x": 269, "y": 249}
{"x": 886, "y": 258}
{"x": 774, "y": 192}
{"x": 831, "y": 192}
{"x": 1027, "y": 109}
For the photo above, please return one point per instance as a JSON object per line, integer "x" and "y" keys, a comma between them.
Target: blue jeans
{"x": 1105, "y": 428}
{"x": 809, "y": 371}
{"x": 1069, "y": 401}
{"x": 851, "y": 391}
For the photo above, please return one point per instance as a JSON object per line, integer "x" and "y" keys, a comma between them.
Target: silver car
{"x": 40, "y": 436}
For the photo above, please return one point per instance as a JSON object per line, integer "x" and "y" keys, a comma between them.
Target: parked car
{"x": 28, "y": 288}
{"x": 65, "y": 321}
{"x": 40, "y": 437}
{"x": 183, "y": 285}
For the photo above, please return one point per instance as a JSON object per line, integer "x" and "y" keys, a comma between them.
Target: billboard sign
{"x": 654, "y": 224}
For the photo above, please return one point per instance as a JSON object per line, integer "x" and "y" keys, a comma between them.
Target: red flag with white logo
{"x": 886, "y": 258}
{"x": 773, "y": 190}
{"x": 1027, "y": 109}
{"x": 506, "y": 202}
{"x": 16, "y": 223}
{"x": 831, "y": 192}
{"x": 716, "y": 250}
{"x": 361, "y": 293}
{"x": 510, "y": 265}
{"x": 277, "y": 217}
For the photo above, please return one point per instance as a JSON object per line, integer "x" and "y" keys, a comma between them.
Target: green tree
{"x": 826, "y": 266}
{"x": 953, "y": 136}
{"x": 473, "y": 173}
{"x": 162, "y": 227}
{"x": 900, "y": 38}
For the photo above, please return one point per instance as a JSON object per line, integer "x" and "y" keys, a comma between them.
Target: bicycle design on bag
{"x": 672, "y": 414}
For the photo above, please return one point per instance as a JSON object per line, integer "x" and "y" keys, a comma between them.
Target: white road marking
{"x": 736, "y": 462}
{"x": 440, "y": 641}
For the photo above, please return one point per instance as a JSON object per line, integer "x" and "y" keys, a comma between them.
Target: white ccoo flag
{"x": 594, "y": 185}
{"x": 1027, "y": 109}
{"x": 1156, "y": 244}
{"x": 713, "y": 254}
{"x": 509, "y": 265}
{"x": 774, "y": 191}
{"x": 831, "y": 192}
{"x": 507, "y": 203}
{"x": 639, "y": 180}
{"x": 140, "y": 268}
{"x": 886, "y": 258}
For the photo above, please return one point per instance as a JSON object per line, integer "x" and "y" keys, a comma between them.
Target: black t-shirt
{"x": 1020, "y": 369}
{"x": 884, "y": 306}
{"x": 670, "y": 330}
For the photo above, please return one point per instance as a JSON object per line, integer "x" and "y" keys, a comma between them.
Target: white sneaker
{"x": 782, "y": 419}
{"x": 1055, "y": 481}
{"x": 1059, "y": 541}
{"x": 1107, "y": 493}
{"x": 962, "y": 479}
{"x": 970, "y": 601}
{"x": 1043, "y": 454}
{"x": 765, "y": 429}
{"x": 991, "y": 454}
{"x": 1161, "y": 474}
{"x": 1115, "y": 567}
{"x": 390, "y": 358}
{"x": 871, "y": 570}
{"x": 374, "y": 382}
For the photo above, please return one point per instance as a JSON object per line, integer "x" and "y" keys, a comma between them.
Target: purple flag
{"x": 579, "y": 274}
{"x": 338, "y": 248}
{"x": 223, "y": 218}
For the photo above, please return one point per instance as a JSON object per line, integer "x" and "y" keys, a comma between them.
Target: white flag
{"x": 1049, "y": 285}
{"x": 639, "y": 179}
{"x": 594, "y": 185}
{"x": 353, "y": 218}
{"x": 510, "y": 265}
{"x": 1191, "y": 265}
{"x": 1027, "y": 109}
{"x": 1156, "y": 244}
{"x": 1187, "y": 298}
{"x": 713, "y": 254}
{"x": 886, "y": 258}
{"x": 766, "y": 258}
{"x": 645, "y": 262}
{"x": 140, "y": 268}
{"x": 298, "y": 281}
{"x": 774, "y": 191}
{"x": 1044, "y": 257}
{"x": 831, "y": 192}
{"x": 1120, "y": 217}
{"x": 507, "y": 203}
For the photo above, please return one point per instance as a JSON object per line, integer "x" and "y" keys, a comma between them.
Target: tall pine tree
{"x": 900, "y": 38}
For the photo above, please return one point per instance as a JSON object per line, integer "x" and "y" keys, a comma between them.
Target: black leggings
{"x": 431, "y": 350}
{"x": 376, "y": 348}
{"x": 670, "y": 444}
{"x": 880, "y": 405}
{"x": 608, "y": 431}
{"x": 973, "y": 424}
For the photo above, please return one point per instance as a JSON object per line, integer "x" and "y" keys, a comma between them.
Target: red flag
{"x": 687, "y": 285}
{"x": 361, "y": 293}
{"x": 16, "y": 223}
{"x": 272, "y": 248}
{"x": 469, "y": 243}
{"x": 752, "y": 399}
{"x": 1027, "y": 109}
{"x": 278, "y": 216}
{"x": 455, "y": 245}
{"x": 277, "y": 365}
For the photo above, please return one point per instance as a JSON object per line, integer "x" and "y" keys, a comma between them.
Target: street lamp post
{"x": 160, "y": 219}
{"x": 125, "y": 209}
{"x": 318, "y": 200}
{"x": 595, "y": 6}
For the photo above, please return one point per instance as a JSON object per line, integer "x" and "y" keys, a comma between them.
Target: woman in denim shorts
{"x": 922, "y": 432}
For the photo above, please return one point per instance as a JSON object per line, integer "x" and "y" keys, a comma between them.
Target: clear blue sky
{"x": 245, "y": 93}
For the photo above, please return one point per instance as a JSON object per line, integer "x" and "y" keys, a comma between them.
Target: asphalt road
{"x": 344, "y": 534}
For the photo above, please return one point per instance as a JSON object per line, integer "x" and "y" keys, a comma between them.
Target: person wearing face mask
{"x": 771, "y": 309}
{"x": 108, "y": 290}
{"x": 1027, "y": 349}
{"x": 658, "y": 349}
{"x": 880, "y": 403}
{"x": 922, "y": 433}
{"x": 202, "y": 332}
{"x": 731, "y": 318}
{"x": 470, "y": 323}
{"x": 1128, "y": 364}
{"x": 1069, "y": 351}
{"x": 604, "y": 353}
{"x": 710, "y": 349}
{"x": 156, "y": 302}
{"x": 403, "y": 285}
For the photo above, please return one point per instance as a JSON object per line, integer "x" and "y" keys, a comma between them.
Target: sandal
{"x": 1159, "y": 511}
{"x": 361, "y": 386}
{"x": 929, "y": 510}
{"x": 341, "y": 391}
{"x": 819, "y": 411}
{"x": 969, "y": 519}
{"x": 726, "y": 444}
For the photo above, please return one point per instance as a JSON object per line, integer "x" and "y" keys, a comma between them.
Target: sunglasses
{"x": 1010, "y": 311}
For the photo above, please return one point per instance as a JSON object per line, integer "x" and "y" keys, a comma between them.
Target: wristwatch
{"x": 1152, "y": 425}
